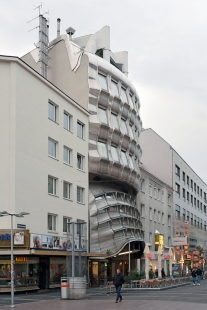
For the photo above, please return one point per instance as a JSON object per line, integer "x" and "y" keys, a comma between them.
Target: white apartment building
{"x": 44, "y": 168}
{"x": 189, "y": 190}
{"x": 155, "y": 203}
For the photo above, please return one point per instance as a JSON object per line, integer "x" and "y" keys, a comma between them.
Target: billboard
{"x": 179, "y": 241}
{"x": 19, "y": 238}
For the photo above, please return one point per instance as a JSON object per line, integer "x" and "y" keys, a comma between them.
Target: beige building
{"x": 44, "y": 164}
{"x": 189, "y": 190}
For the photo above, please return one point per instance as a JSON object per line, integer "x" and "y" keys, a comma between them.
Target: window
{"x": 150, "y": 214}
{"x": 195, "y": 188}
{"x": 201, "y": 206}
{"x": 124, "y": 158}
{"x": 66, "y": 190}
{"x": 130, "y": 131}
{"x": 52, "y": 185}
{"x": 191, "y": 200}
{"x": 80, "y": 193}
{"x": 183, "y": 194}
{"x": 169, "y": 241}
{"x": 67, "y": 121}
{"x": 158, "y": 216}
{"x": 188, "y": 197}
{"x": 52, "y": 111}
{"x": 154, "y": 215}
{"x": 80, "y": 227}
{"x": 124, "y": 127}
{"x": 114, "y": 119}
{"x": 163, "y": 219}
{"x": 66, "y": 228}
{"x": 204, "y": 227}
{"x": 123, "y": 95}
{"x": 114, "y": 87}
{"x": 51, "y": 148}
{"x": 195, "y": 202}
{"x": 184, "y": 177}
{"x": 80, "y": 130}
{"x": 131, "y": 161}
{"x": 80, "y": 159}
{"x": 150, "y": 237}
{"x": 177, "y": 170}
{"x": 201, "y": 193}
{"x": 187, "y": 180}
{"x": 158, "y": 193}
{"x": 177, "y": 189}
{"x": 150, "y": 190}
{"x": 191, "y": 184}
{"x": 177, "y": 212}
{"x": 114, "y": 153}
{"x": 188, "y": 214}
{"x": 204, "y": 196}
{"x": 204, "y": 209}
{"x": 142, "y": 185}
{"x": 201, "y": 224}
{"x": 102, "y": 81}
{"x": 169, "y": 220}
{"x": 198, "y": 204}
{"x": 169, "y": 200}
{"x": 102, "y": 149}
{"x": 191, "y": 219}
{"x": 155, "y": 193}
{"x": 142, "y": 211}
{"x": 131, "y": 101}
{"x": 51, "y": 222}
{"x": 184, "y": 212}
{"x": 198, "y": 190}
{"x": 195, "y": 218}
{"x": 102, "y": 116}
{"x": 66, "y": 155}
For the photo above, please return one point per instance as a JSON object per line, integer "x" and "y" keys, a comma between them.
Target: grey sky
{"x": 167, "y": 45}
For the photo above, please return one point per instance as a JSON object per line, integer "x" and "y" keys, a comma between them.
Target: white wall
{"x": 25, "y": 165}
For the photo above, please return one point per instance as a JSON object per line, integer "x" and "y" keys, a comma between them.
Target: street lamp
{"x": 21, "y": 214}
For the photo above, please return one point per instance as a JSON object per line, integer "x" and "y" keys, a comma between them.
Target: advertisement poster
{"x": 175, "y": 270}
{"x": 19, "y": 238}
{"x": 47, "y": 242}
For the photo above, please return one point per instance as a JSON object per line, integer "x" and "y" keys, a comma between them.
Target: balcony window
{"x": 102, "y": 148}
{"x": 114, "y": 153}
{"x": 124, "y": 95}
{"x": 124, "y": 158}
{"x": 102, "y": 116}
{"x": 114, "y": 119}
{"x": 114, "y": 87}
{"x": 124, "y": 127}
{"x": 102, "y": 81}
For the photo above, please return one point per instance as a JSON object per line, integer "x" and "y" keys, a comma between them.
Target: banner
{"x": 179, "y": 241}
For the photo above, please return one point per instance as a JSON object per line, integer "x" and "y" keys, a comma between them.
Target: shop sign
{"x": 22, "y": 226}
{"x": 20, "y": 259}
{"x": 5, "y": 237}
{"x": 105, "y": 264}
{"x": 159, "y": 241}
{"x": 149, "y": 256}
{"x": 166, "y": 256}
{"x": 189, "y": 256}
{"x": 179, "y": 241}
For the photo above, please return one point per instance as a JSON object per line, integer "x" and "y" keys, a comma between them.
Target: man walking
{"x": 199, "y": 274}
{"x": 118, "y": 280}
{"x": 194, "y": 274}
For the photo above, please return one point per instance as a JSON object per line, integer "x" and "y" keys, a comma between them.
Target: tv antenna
{"x": 37, "y": 7}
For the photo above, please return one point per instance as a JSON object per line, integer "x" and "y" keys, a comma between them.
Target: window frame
{"x": 69, "y": 156}
{"x": 82, "y": 162}
{"x": 54, "y": 184}
{"x": 54, "y": 119}
{"x": 82, "y": 130}
{"x": 81, "y": 194}
{"x": 69, "y": 190}
{"x": 55, "y": 144}
{"x": 67, "y": 226}
{"x": 69, "y": 127}
{"x": 54, "y": 227}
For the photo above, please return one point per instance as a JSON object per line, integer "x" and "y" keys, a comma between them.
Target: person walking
{"x": 199, "y": 274}
{"x": 118, "y": 280}
{"x": 194, "y": 274}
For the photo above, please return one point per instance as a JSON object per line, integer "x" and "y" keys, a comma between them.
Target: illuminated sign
{"x": 149, "y": 256}
{"x": 179, "y": 241}
{"x": 105, "y": 264}
{"x": 159, "y": 241}
{"x": 166, "y": 256}
{"x": 21, "y": 259}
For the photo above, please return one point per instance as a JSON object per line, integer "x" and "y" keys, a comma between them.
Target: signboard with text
{"x": 179, "y": 241}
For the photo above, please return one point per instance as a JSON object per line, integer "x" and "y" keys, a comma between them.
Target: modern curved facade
{"x": 86, "y": 69}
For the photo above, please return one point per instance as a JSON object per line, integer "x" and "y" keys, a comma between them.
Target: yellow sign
{"x": 21, "y": 259}
{"x": 159, "y": 241}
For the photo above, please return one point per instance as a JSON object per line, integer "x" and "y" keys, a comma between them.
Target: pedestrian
{"x": 118, "y": 280}
{"x": 199, "y": 274}
{"x": 163, "y": 273}
{"x": 194, "y": 274}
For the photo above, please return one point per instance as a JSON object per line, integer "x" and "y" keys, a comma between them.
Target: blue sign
{"x": 23, "y": 226}
{"x": 5, "y": 237}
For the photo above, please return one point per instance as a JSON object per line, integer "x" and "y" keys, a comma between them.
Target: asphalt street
{"x": 185, "y": 296}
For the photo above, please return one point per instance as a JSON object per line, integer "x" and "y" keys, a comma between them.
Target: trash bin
{"x": 64, "y": 287}
{"x": 77, "y": 287}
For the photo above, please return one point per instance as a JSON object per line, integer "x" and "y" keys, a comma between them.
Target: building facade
{"x": 189, "y": 190}
{"x": 94, "y": 76}
{"x": 44, "y": 171}
{"x": 155, "y": 204}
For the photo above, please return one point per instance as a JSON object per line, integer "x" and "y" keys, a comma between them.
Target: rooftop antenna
{"x": 43, "y": 40}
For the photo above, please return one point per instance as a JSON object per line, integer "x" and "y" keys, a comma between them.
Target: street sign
{"x": 22, "y": 226}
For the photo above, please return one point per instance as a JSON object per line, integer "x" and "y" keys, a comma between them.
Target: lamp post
{"x": 21, "y": 214}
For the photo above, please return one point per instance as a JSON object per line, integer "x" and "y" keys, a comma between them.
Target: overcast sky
{"x": 167, "y": 45}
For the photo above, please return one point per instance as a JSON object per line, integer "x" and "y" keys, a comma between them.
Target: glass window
{"x": 51, "y": 148}
{"x": 131, "y": 101}
{"x": 130, "y": 131}
{"x": 102, "y": 81}
{"x": 102, "y": 116}
{"x": 80, "y": 227}
{"x": 80, "y": 128}
{"x": 52, "y": 222}
{"x": 66, "y": 190}
{"x": 66, "y": 228}
{"x": 79, "y": 162}
{"x": 131, "y": 162}
{"x": 114, "y": 87}
{"x": 80, "y": 192}
{"x": 102, "y": 149}
{"x": 66, "y": 121}
{"x": 124, "y": 158}
{"x": 123, "y": 95}
{"x": 114, "y": 119}
{"x": 52, "y": 185}
{"x": 52, "y": 111}
{"x": 114, "y": 153}
{"x": 123, "y": 125}
{"x": 66, "y": 156}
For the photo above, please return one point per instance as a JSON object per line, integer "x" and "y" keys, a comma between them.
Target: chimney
{"x": 70, "y": 31}
{"x": 58, "y": 27}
